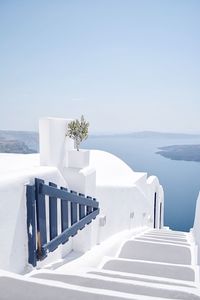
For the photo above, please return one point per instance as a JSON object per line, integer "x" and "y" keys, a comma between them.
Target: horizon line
{"x": 116, "y": 133}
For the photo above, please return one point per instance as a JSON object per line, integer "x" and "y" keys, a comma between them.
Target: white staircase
{"x": 157, "y": 264}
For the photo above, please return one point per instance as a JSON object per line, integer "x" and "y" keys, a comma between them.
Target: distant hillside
{"x": 12, "y": 146}
{"x": 18, "y": 141}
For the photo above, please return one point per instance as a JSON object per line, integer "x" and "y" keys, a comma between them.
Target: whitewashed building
{"x": 84, "y": 225}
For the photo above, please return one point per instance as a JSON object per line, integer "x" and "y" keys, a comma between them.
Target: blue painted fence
{"x": 76, "y": 211}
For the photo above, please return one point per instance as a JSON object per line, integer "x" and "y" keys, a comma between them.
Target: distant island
{"x": 12, "y": 146}
{"x": 181, "y": 152}
{"x": 18, "y": 141}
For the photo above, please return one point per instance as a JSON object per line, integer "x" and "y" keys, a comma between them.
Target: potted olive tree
{"x": 78, "y": 131}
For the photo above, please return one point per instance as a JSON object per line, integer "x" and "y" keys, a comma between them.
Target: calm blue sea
{"x": 180, "y": 179}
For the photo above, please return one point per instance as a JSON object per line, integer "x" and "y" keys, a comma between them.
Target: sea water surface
{"x": 180, "y": 179}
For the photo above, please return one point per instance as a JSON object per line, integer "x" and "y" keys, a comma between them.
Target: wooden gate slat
{"x": 53, "y": 215}
{"x": 31, "y": 229}
{"x": 41, "y": 217}
{"x": 89, "y": 208}
{"x": 74, "y": 215}
{"x": 81, "y": 208}
{"x": 64, "y": 214}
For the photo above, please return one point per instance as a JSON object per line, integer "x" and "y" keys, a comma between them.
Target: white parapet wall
{"x": 126, "y": 198}
{"x": 196, "y": 228}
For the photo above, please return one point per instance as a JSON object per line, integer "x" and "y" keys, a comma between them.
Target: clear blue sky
{"x": 127, "y": 65}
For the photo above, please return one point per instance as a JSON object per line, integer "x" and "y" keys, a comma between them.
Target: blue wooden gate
{"x": 76, "y": 211}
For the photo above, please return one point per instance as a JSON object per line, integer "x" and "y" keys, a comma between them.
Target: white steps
{"x": 143, "y": 278}
{"x": 180, "y": 272}
{"x": 133, "y": 287}
{"x": 153, "y": 265}
{"x": 167, "y": 240}
{"x": 152, "y": 251}
{"x": 42, "y": 289}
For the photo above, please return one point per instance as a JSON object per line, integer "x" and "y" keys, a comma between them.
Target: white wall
{"x": 123, "y": 208}
{"x": 196, "y": 228}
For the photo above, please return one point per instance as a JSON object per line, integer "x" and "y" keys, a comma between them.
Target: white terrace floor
{"x": 154, "y": 264}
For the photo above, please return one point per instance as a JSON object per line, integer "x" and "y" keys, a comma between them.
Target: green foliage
{"x": 78, "y": 131}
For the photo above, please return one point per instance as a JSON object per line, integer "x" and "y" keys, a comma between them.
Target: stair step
{"x": 162, "y": 240}
{"x": 158, "y": 252}
{"x": 168, "y": 233}
{"x": 16, "y": 287}
{"x": 142, "y": 278}
{"x": 161, "y": 236}
{"x": 123, "y": 285}
{"x": 180, "y": 272}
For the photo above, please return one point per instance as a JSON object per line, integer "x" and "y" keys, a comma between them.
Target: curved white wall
{"x": 126, "y": 197}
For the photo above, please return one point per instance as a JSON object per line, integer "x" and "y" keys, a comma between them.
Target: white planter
{"x": 78, "y": 159}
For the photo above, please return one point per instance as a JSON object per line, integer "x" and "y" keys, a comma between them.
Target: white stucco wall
{"x": 196, "y": 228}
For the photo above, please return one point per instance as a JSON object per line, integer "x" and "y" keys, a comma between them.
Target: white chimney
{"x": 54, "y": 145}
